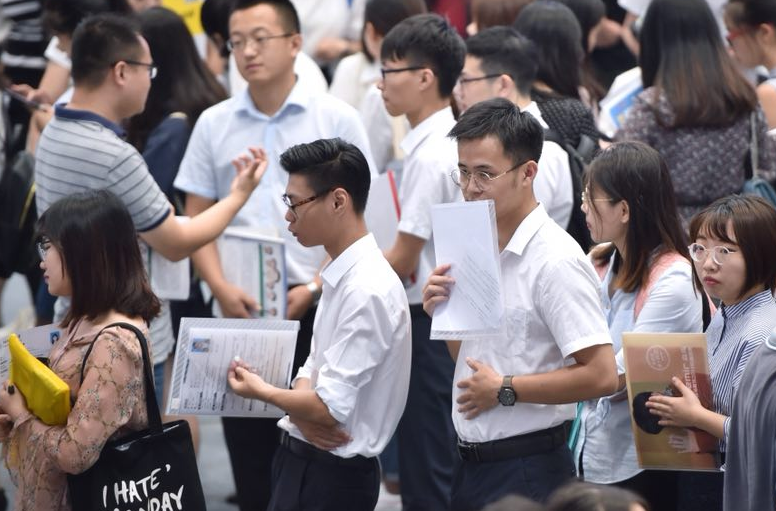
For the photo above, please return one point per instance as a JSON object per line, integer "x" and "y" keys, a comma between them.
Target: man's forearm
{"x": 304, "y": 404}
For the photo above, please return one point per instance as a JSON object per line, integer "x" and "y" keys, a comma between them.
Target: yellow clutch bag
{"x": 48, "y": 397}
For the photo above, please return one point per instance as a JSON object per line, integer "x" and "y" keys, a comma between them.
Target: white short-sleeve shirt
{"x": 228, "y": 128}
{"x": 430, "y": 156}
{"x": 359, "y": 362}
{"x": 553, "y": 311}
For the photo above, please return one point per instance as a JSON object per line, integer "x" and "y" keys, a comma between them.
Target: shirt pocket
{"x": 517, "y": 333}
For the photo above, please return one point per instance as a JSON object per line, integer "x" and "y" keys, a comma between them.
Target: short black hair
{"x": 386, "y": 14}
{"x": 63, "y": 16}
{"x": 504, "y": 50}
{"x": 96, "y": 238}
{"x": 328, "y": 164}
{"x": 284, "y": 8}
{"x": 520, "y": 133}
{"x": 98, "y": 43}
{"x": 428, "y": 40}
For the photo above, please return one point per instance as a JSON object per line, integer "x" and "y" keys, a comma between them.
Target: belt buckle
{"x": 468, "y": 451}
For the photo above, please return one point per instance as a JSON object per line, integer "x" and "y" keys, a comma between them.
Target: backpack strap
{"x": 663, "y": 262}
{"x": 152, "y": 407}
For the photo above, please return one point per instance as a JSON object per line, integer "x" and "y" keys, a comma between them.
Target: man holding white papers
{"x": 422, "y": 57}
{"x": 501, "y": 63}
{"x": 347, "y": 399}
{"x": 514, "y": 394}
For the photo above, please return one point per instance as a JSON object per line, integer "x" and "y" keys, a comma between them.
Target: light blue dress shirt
{"x": 606, "y": 440}
{"x": 226, "y": 130}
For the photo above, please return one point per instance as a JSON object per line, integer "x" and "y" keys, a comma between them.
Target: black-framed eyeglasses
{"x": 481, "y": 178}
{"x": 152, "y": 69}
{"x": 292, "y": 206}
{"x": 719, "y": 254}
{"x": 42, "y": 247}
{"x": 386, "y": 70}
{"x": 258, "y": 41}
{"x": 463, "y": 81}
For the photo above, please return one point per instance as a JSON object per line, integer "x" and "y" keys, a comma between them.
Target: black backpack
{"x": 579, "y": 157}
{"x": 18, "y": 215}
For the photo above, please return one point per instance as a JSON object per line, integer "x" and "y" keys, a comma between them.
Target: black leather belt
{"x": 312, "y": 453}
{"x": 537, "y": 442}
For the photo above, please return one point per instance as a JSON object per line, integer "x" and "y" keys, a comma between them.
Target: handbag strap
{"x": 152, "y": 407}
{"x": 754, "y": 151}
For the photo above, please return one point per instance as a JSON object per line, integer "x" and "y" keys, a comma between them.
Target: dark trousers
{"x": 252, "y": 442}
{"x": 302, "y": 484}
{"x": 700, "y": 491}
{"x": 658, "y": 487}
{"x": 477, "y": 484}
{"x": 425, "y": 433}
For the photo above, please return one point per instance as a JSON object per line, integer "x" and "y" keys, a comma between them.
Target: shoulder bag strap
{"x": 754, "y": 150}
{"x": 152, "y": 408}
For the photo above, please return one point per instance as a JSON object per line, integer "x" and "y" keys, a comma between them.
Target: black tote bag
{"x": 147, "y": 470}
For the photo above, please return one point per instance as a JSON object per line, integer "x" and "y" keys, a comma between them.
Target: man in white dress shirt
{"x": 347, "y": 399}
{"x": 501, "y": 63}
{"x": 422, "y": 57}
{"x": 514, "y": 395}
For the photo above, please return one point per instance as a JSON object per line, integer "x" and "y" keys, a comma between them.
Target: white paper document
{"x": 205, "y": 348}
{"x": 38, "y": 342}
{"x": 256, "y": 263}
{"x": 465, "y": 237}
{"x": 382, "y": 210}
{"x": 169, "y": 279}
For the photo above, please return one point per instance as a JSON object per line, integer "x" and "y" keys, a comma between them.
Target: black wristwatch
{"x": 506, "y": 394}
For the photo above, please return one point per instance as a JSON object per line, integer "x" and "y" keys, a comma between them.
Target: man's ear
{"x": 118, "y": 73}
{"x": 531, "y": 169}
{"x": 427, "y": 79}
{"x": 341, "y": 199}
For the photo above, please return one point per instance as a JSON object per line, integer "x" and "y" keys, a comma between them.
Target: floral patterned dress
{"x": 109, "y": 404}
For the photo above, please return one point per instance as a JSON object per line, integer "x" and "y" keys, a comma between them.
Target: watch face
{"x": 507, "y": 396}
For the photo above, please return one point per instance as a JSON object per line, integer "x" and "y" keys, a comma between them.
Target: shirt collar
{"x": 63, "y": 112}
{"x": 526, "y": 230}
{"x": 336, "y": 269}
{"x": 430, "y": 125}
{"x": 298, "y": 98}
{"x": 745, "y": 306}
{"x": 533, "y": 109}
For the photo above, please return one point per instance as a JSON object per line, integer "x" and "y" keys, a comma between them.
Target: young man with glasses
{"x": 276, "y": 111}
{"x": 421, "y": 59}
{"x": 347, "y": 399}
{"x": 501, "y": 63}
{"x": 82, "y": 148}
{"x": 514, "y": 395}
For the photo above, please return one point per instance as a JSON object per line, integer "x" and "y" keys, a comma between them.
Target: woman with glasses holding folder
{"x": 646, "y": 286}
{"x": 734, "y": 240}
{"x": 89, "y": 251}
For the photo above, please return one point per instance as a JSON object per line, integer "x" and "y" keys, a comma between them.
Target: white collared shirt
{"x": 552, "y": 186}
{"x": 228, "y": 128}
{"x": 609, "y": 454}
{"x": 552, "y": 311}
{"x": 359, "y": 362}
{"x": 430, "y": 156}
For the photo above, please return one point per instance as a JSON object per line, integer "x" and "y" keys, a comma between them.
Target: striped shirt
{"x": 733, "y": 335}
{"x": 80, "y": 151}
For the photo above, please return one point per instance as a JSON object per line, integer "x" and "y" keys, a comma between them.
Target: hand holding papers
{"x": 465, "y": 237}
{"x": 668, "y": 364}
{"x": 206, "y": 347}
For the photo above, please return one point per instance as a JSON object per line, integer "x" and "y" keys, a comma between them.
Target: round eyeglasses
{"x": 481, "y": 178}
{"x": 719, "y": 254}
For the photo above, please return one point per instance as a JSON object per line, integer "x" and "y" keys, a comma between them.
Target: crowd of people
{"x": 129, "y": 121}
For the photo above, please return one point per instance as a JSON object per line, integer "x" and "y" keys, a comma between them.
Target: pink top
{"x": 109, "y": 404}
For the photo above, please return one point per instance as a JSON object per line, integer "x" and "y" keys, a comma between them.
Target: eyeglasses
{"x": 42, "y": 247}
{"x": 732, "y": 35}
{"x": 258, "y": 41}
{"x": 292, "y": 207}
{"x": 719, "y": 254}
{"x": 385, "y": 70}
{"x": 152, "y": 69}
{"x": 586, "y": 199}
{"x": 464, "y": 81}
{"x": 481, "y": 178}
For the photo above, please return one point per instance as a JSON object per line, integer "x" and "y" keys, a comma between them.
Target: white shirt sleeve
{"x": 567, "y": 295}
{"x": 422, "y": 187}
{"x": 363, "y": 337}
{"x": 196, "y": 173}
{"x": 552, "y": 186}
